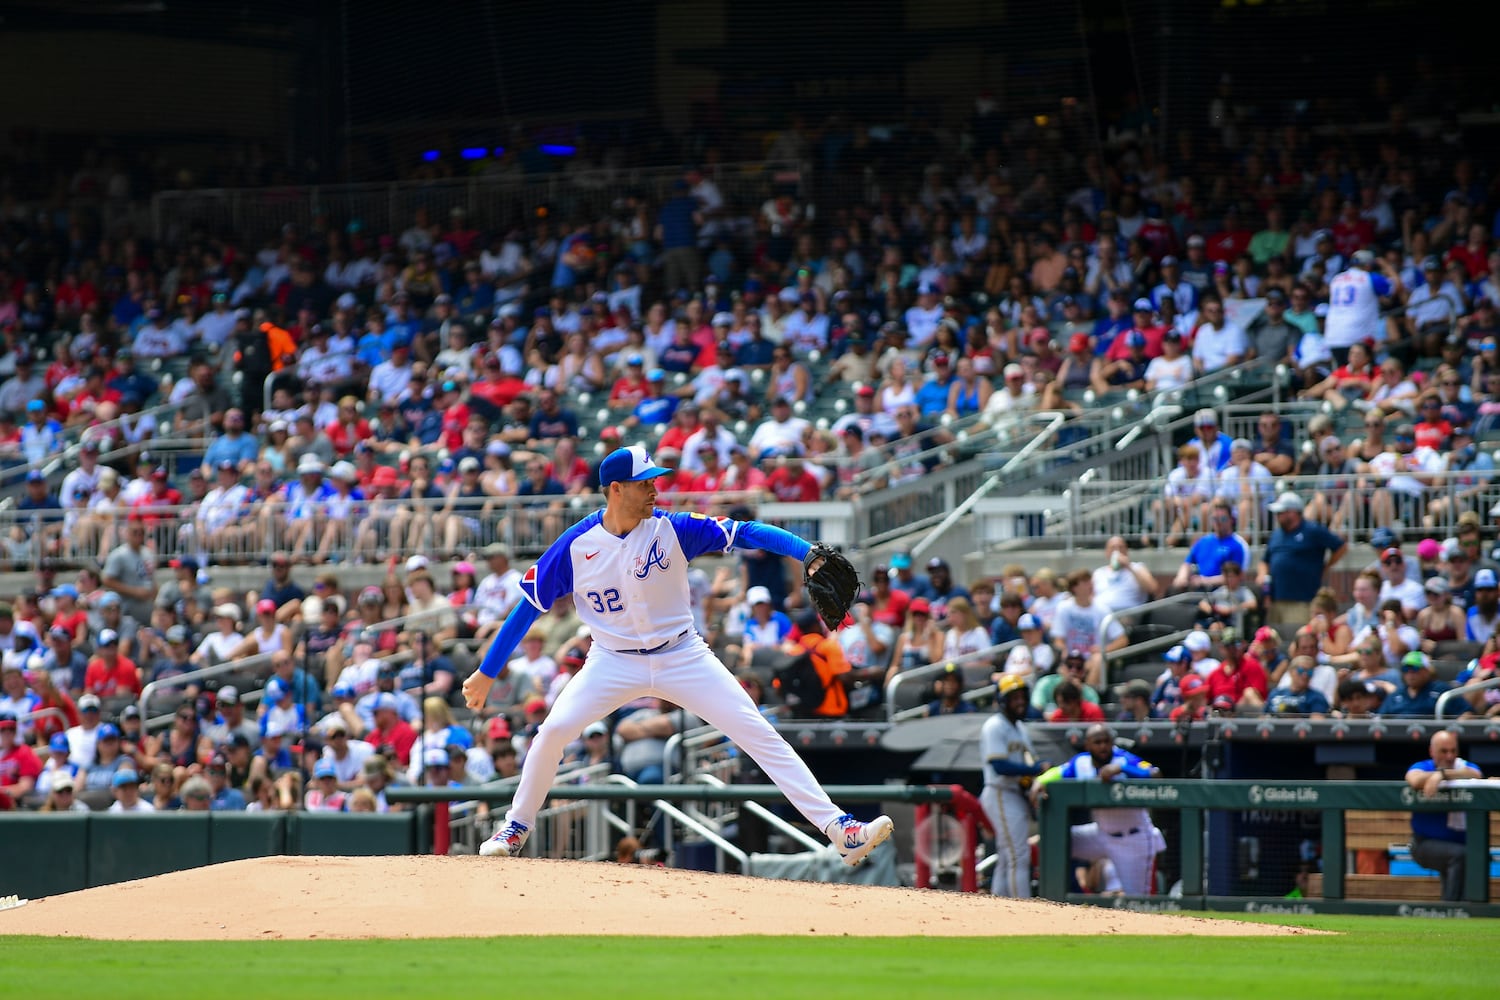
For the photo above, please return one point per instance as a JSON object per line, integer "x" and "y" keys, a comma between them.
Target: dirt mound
{"x": 406, "y": 897}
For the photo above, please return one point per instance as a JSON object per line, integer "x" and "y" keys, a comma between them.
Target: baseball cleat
{"x": 854, "y": 840}
{"x": 508, "y": 841}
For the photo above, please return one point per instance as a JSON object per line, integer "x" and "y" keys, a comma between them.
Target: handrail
{"x": 933, "y": 669}
{"x": 1448, "y": 696}
{"x": 702, "y": 736}
{"x": 254, "y": 662}
{"x": 769, "y": 817}
{"x": 888, "y": 464}
{"x": 1114, "y": 617}
{"x": 41, "y": 713}
{"x": 192, "y": 676}
{"x": 1054, "y": 421}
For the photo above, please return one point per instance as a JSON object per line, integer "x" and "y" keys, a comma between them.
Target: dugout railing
{"x": 1205, "y": 850}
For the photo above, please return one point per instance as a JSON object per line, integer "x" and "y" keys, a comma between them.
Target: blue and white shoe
{"x": 855, "y": 840}
{"x": 507, "y": 842}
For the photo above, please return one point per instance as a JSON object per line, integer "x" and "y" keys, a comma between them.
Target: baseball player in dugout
{"x": 1010, "y": 767}
{"x": 1124, "y": 837}
{"x": 627, "y": 569}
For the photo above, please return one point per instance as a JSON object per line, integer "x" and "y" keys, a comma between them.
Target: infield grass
{"x": 1369, "y": 957}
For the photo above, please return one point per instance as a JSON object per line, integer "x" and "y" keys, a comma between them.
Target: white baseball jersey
{"x": 631, "y": 592}
{"x": 1002, "y": 739}
{"x": 1083, "y": 768}
{"x": 1354, "y": 307}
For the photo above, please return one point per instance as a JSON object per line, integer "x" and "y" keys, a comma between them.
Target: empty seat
{"x": 1178, "y": 616}
{"x": 1457, "y": 649}
{"x": 1447, "y": 670}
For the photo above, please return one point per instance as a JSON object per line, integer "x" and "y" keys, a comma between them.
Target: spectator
{"x": 109, "y": 674}
{"x": 1294, "y": 565}
{"x": 19, "y": 766}
{"x": 1185, "y": 496}
{"x": 1122, "y": 584}
{"x": 1298, "y": 697}
{"x": 1073, "y": 671}
{"x": 1231, "y": 603}
{"x": 1419, "y": 690}
{"x": 1483, "y": 617}
{"x": 1203, "y": 567}
{"x": 126, "y": 784}
{"x": 1135, "y": 702}
{"x": 948, "y": 690}
{"x": 1437, "y": 837}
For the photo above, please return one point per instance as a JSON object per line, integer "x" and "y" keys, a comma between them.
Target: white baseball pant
{"x": 1010, "y": 815}
{"x": 686, "y": 674}
{"x": 1133, "y": 852}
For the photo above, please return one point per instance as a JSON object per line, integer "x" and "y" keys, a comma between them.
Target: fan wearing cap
{"x": 109, "y": 758}
{"x": 220, "y": 645}
{"x": 948, "y": 691}
{"x": 1432, "y": 306}
{"x": 765, "y": 628}
{"x": 872, "y": 420}
{"x": 19, "y": 764}
{"x": 109, "y": 673}
{"x": 626, "y": 567}
{"x": 184, "y": 584}
{"x": 1296, "y": 560}
{"x": 302, "y": 503}
{"x": 58, "y": 774}
{"x": 1419, "y": 690}
{"x": 79, "y": 485}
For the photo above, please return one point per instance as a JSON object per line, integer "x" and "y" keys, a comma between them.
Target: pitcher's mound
{"x": 407, "y": 897}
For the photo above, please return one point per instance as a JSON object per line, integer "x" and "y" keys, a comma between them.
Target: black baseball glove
{"x": 832, "y": 583}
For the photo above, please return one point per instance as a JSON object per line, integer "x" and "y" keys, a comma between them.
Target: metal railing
{"x": 1440, "y": 711}
{"x": 1092, "y": 510}
{"x": 895, "y": 695}
{"x": 366, "y": 532}
{"x": 1053, "y": 421}
{"x": 151, "y": 690}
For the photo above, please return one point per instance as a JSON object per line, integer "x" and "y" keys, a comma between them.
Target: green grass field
{"x": 1370, "y": 957}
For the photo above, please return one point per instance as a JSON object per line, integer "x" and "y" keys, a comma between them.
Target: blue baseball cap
{"x": 35, "y": 406}
{"x": 629, "y": 465}
{"x": 275, "y": 689}
{"x": 108, "y": 731}
{"x": 65, "y": 590}
{"x": 59, "y": 743}
{"x": 325, "y": 769}
{"x": 123, "y": 778}
{"x": 385, "y": 700}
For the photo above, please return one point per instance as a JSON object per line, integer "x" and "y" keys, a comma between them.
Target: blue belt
{"x": 655, "y": 649}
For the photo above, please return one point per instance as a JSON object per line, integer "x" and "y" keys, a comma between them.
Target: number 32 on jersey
{"x": 605, "y": 602}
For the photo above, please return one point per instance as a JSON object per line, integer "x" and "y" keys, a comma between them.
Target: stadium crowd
{"x": 416, "y": 399}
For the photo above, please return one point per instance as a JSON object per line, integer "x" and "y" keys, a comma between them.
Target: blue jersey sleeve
{"x": 1133, "y": 766}
{"x": 517, "y": 623}
{"x": 1381, "y": 284}
{"x": 699, "y": 534}
{"x": 769, "y": 538}
{"x": 1070, "y": 769}
{"x": 551, "y": 576}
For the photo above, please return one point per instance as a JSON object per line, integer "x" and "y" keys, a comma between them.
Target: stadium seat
{"x": 1457, "y": 649}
